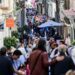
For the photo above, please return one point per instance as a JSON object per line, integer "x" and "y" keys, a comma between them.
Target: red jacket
{"x": 41, "y": 60}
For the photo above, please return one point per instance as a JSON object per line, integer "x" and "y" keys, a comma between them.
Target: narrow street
{"x": 37, "y": 37}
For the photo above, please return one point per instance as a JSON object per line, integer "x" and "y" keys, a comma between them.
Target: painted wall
{"x": 72, "y": 4}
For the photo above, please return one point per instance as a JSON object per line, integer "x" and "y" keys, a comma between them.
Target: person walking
{"x": 64, "y": 65}
{"x": 6, "y": 67}
{"x": 38, "y": 60}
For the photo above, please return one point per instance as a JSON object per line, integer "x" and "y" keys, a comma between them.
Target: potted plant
{"x": 9, "y": 42}
{"x": 15, "y": 34}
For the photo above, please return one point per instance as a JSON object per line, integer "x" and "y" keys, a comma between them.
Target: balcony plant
{"x": 15, "y": 34}
{"x": 10, "y": 42}
{"x": 73, "y": 43}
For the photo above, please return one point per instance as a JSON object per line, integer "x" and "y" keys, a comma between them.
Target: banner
{"x": 10, "y": 23}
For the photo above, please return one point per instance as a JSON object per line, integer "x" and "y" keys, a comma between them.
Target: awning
{"x": 50, "y": 23}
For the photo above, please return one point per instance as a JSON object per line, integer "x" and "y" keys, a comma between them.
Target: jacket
{"x": 38, "y": 62}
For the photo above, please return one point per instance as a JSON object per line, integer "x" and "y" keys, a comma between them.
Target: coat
{"x": 63, "y": 66}
{"x": 38, "y": 62}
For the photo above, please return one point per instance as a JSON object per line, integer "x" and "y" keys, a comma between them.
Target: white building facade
{"x": 51, "y": 8}
{"x": 6, "y": 9}
{"x": 69, "y": 13}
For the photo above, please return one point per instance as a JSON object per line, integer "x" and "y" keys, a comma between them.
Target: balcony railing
{"x": 4, "y": 7}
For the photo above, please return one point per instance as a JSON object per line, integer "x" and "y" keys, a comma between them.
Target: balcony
{"x": 4, "y": 7}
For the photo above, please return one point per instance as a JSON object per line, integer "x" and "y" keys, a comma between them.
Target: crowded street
{"x": 37, "y": 37}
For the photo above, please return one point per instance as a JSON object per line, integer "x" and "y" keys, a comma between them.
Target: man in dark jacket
{"x": 61, "y": 67}
{"x": 6, "y": 67}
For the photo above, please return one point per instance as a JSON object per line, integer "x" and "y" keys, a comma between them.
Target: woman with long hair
{"x": 38, "y": 60}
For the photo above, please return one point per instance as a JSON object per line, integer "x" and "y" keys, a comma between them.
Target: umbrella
{"x": 50, "y": 23}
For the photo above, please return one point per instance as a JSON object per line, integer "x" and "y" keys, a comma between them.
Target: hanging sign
{"x": 10, "y": 23}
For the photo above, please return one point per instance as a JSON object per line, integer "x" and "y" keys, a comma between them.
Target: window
{"x": 67, "y": 4}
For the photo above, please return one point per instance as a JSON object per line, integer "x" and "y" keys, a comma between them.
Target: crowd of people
{"x": 39, "y": 56}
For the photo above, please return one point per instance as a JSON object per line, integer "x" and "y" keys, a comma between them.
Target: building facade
{"x": 69, "y": 14}
{"x": 7, "y": 8}
{"x": 47, "y": 7}
{"x": 72, "y": 4}
{"x": 51, "y": 8}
